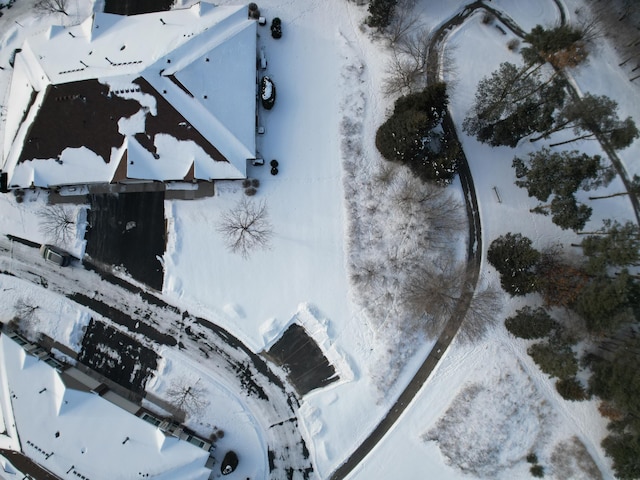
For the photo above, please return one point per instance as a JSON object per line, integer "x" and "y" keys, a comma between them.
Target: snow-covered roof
{"x": 71, "y": 432}
{"x": 186, "y": 74}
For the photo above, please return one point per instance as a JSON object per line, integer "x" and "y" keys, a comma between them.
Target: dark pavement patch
{"x": 118, "y": 357}
{"x": 123, "y": 319}
{"x": 306, "y": 366}
{"x": 134, "y": 7}
{"x": 128, "y": 230}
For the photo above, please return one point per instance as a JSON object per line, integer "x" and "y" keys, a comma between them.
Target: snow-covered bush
{"x": 494, "y": 425}
{"x": 396, "y": 223}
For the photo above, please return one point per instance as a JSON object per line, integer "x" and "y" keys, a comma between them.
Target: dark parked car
{"x": 276, "y": 28}
{"x": 55, "y": 255}
{"x": 267, "y": 93}
{"x": 229, "y": 462}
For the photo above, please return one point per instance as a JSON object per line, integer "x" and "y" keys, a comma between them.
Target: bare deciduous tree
{"x": 403, "y": 22}
{"x": 407, "y": 69}
{"x": 51, "y": 6}
{"x": 436, "y": 290}
{"x": 57, "y": 224}
{"x": 25, "y": 309}
{"x": 246, "y": 227}
{"x": 483, "y": 312}
{"x": 190, "y": 398}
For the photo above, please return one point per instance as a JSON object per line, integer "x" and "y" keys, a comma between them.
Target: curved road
{"x": 155, "y": 323}
{"x": 474, "y": 251}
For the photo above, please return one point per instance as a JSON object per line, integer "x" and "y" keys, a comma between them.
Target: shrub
{"x": 255, "y": 183}
{"x": 532, "y": 458}
{"x": 556, "y": 360}
{"x": 246, "y": 183}
{"x": 513, "y": 44}
{"x": 250, "y": 192}
{"x": 537, "y": 471}
{"x": 528, "y": 323}
{"x": 571, "y": 389}
{"x": 608, "y": 410}
{"x": 487, "y": 18}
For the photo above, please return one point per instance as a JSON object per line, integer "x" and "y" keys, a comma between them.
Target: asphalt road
{"x": 151, "y": 321}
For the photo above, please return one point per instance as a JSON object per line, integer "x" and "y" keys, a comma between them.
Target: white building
{"x": 76, "y": 434}
{"x": 165, "y": 96}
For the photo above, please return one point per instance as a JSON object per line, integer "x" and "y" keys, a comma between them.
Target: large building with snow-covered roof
{"x": 54, "y": 427}
{"x": 165, "y": 96}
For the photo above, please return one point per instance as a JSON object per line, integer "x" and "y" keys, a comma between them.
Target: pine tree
{"x": 616, "y": 245}
{"x": 616, "y": 379}
{"x": 530, "y": 323}
{"x": 566, "y": 212}
{"x": 591, "y": 116}
{"x": 633, "y": 190}
{"x": 515, "y": 259}
{"x": 414, "y": 135}
{"x": 554, "y": 359}
{"x": 562, "y": 46}
{"x": 545, "y": 173}
{"x": 605, "y": 303}
{"x": 380, "y": 13}
{"x": 512, "y": 103}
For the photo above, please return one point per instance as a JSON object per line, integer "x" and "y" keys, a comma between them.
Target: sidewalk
{"x": 78, "y": 195}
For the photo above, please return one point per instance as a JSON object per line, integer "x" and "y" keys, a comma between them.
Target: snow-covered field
{"x": 487, "y": 406}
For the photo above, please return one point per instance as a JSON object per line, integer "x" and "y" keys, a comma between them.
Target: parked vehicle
{"x": 276, "y": 28}
{"x": 267, "y": 93}
{"x": 229, "y": 463}
{"x": 55, "y": 255}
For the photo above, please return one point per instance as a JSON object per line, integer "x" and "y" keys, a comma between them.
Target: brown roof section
{"x": 28, "y": 466}
{"x": 77, "y": 114}
{"x": 191, "y": 174}
{"x": 121, "y": 172}
{"x": 168, "y": 120}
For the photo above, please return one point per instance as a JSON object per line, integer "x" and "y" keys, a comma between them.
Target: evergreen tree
{"x": 571, "y": 389}
{"x": 545, "y": 173}
{"x": 380, "y": 13}
{"x": 530, "y": 323}
{"x": 515, "y": 259}
{"x": 605, "y": 303}
{"x": 512, "y": 103}
{"x": 566, "y": 212}
{"x": 554, "y": 359}
{"x": 624, "y": 450}
{"x": 593, "y": 115}
{"x": 616, "y": 245}
{"x": 562, "y": 46}
{"x": 414, "y": 135}
{"x": 633, "y": 190}
{"x": 616, "y": 379}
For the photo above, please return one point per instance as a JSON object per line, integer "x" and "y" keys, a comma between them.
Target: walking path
{"x": 474, "y": 251}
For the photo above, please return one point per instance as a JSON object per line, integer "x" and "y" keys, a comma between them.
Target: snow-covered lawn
{"x": 487, "y": 405}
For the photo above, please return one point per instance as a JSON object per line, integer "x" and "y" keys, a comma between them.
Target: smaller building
{"x": 72, "y": 427}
